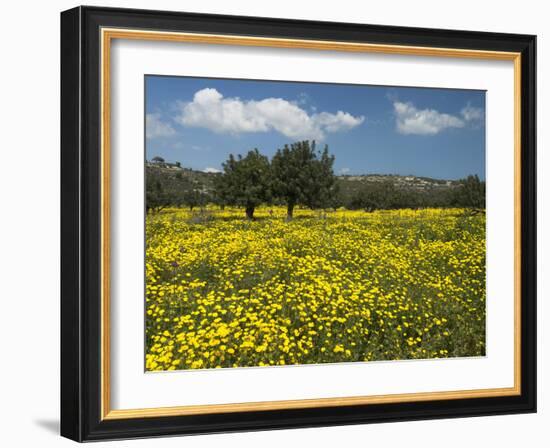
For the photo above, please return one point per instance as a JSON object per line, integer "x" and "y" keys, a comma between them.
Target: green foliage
{"x": 156, "y": 196}
{"x": 384, "y": 196}
{"x": 182, "y": 187}
{"x": 301, "y": 175}
{"x": 195, "y": 198}
{"x": 158, "y": 159}
{"x": 373, "y": 197}
{"x": 245, "y": 182}
{"x": 471, "y": 193}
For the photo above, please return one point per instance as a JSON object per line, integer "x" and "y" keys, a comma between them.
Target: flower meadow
{"x": 326, "y": 287}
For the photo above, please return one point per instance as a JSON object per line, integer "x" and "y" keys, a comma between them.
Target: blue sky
{"x": 437, "y": 133}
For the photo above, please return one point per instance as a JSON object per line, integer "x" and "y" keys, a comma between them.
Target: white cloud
{"x": 344, "y": 171}
{"x": 155, "y": 127}
{"x": 210, "y": 169}
{"x": 341, "y": 121}
{"x": 209, "y": 109}
{"x": 470, "y": 113}
{"x": 410, "y": 120}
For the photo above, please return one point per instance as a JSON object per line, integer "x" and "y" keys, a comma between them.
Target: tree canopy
{"x": 471, "y": 193}
{"x": 245, "y": 181}
{"x": 301, "y": 175}
{"x": 156, "y": 197}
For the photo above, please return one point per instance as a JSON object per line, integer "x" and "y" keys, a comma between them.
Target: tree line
{"x": 467, "y": 193}
{"x": 301, "y": 175}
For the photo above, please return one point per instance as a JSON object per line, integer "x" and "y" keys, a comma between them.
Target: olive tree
{"x": 245, "y": 181}
{"x": 302, "y": 175}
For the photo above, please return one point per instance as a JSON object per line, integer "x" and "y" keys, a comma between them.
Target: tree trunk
{"x": 249, "y": 212}
{"x": 289, "y": 211}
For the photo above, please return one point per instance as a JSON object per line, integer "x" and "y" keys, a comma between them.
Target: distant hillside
{"x": 181, "y": 183}
{"x": 351, "y": 184}
{"x": 179, "y": 179}
{"x": 204, "y": 181}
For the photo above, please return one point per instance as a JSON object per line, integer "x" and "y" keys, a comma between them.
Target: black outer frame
{"x": 80, "y": 224}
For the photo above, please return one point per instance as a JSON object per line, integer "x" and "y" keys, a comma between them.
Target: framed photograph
{"x": 274, "y": 223}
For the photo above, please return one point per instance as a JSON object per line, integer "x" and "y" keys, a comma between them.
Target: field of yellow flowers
{"x": 340, "y": 286}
